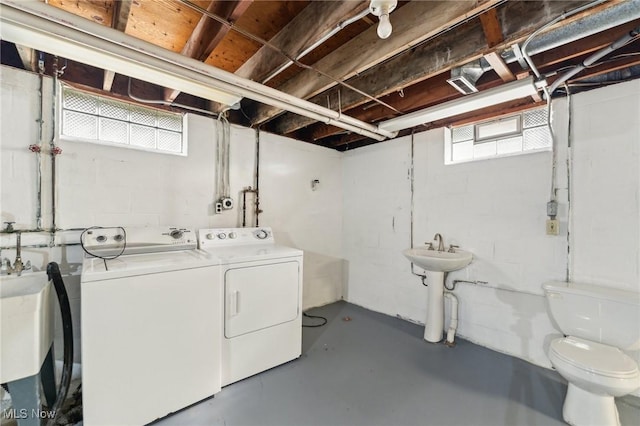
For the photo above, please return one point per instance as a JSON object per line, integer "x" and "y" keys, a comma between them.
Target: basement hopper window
{"x": 92, "y": 118}
{"x": 512, "y": 135}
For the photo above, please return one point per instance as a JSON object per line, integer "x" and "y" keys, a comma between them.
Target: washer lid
{"x": 595, "y": 357}
{"x": 96, "y": 269}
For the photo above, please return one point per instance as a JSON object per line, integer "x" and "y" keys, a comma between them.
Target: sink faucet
{"x": 438, "y": 238}
{"x": 18, "y": 266}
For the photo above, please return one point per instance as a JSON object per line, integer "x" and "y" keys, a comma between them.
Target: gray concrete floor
{"x": 377, "y": 370}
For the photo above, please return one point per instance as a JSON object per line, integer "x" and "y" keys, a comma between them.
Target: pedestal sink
{"x": 26, "y": 324}
{"x": 437, "y": 263}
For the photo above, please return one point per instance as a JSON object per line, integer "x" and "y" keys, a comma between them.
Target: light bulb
{"x": 384, "y": 27}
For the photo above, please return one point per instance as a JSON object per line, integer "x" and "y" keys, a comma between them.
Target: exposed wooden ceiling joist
{"x": 451, "y": 49}
{"x": 28, "y": 57}
{"x": 499, "y": 66}
{"x": 491, "y": 27}
{"x": 410, "y": 29}
{"x": 119, "y": 21}
{"x": 435, "y": 89}
{"x": 405, "y": 73}
{"x": 208, "y": 33}
{"x": 302, "y": 32}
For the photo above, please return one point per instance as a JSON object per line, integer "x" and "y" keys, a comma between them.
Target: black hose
{"x": 323, "y": 319}
{"x": 53, "y": 272}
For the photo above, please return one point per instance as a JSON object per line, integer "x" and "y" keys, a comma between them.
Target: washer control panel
{"x": 110, "y": 241}
{"x": 218, "y": 237}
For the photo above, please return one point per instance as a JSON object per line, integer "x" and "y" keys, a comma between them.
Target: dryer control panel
{"x": 224, "y": 237}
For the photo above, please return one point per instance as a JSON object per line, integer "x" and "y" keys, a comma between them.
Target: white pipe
{"x": 453, "y": 323}
{"x": 40, "y": 26}
{"x": 494, "y": 96}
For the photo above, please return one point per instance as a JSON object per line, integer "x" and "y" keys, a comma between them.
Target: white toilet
{"x": 598, "y": 323}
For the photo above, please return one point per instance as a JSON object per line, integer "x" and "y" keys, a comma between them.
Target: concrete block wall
{"x": 496, "y": 209}
{"x": 486, "y": 207}
{"x": 606, "y": 187}
{"x": 112, "y": 186}
{"x": 376, "y": 223}
{"x": 355, "y": 225}
{"x": 302, "y": 216}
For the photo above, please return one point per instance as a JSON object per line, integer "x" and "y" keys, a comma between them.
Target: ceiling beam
{"x": 351, "y": 141}
{"x": 452, "y": 49}
{"x": 29, "y": 57}
{"x": 208, "y": 33}
{"x": 303, "y": 31}
{"x": 119, "y": 21}
{"x": 421, "y": 95}
{"x": 491, "y": 27}
{"x": 410, "y": 29}
{"x": 499, "y": 66}
{"x": 435, "y": 90}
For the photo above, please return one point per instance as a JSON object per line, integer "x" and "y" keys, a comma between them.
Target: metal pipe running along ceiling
{"x": 40, "y": 26}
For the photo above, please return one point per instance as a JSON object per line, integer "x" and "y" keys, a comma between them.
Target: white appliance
{"x": 598, "y": 323}
{"x": 262, "y": 285}
{"x": 151, "y": 322}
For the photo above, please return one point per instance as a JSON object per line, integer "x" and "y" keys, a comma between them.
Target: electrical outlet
{"x": 553, "y": 227}
{"x": 218, "y": 208}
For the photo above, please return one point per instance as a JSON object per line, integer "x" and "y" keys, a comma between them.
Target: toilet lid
{"x": 595, "y": 357}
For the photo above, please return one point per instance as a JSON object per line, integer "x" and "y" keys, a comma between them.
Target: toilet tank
{"x": 600, "y": 314}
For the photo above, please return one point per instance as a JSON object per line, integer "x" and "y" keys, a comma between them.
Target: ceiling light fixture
{"x": 382, "y": 9}
{"x": 504, "y": 93}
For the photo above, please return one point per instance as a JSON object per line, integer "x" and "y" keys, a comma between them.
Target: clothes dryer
{"x": 262, "y": 293}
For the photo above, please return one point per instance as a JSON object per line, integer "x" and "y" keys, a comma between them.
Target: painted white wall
{"x": 487, "y": 207}
{"x": 496, "y": 209}
{"x": 357, "y": 222}
{"x": 302, "y": 217}
{"x": 606, "y": 187}
{"x": 111, "y": 186}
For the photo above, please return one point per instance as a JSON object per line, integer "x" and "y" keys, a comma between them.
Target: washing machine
{"x": 151, "y": 324}
{"x": 262, "y": 293}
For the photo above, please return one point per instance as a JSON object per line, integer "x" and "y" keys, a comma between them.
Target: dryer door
{"x": 260, "y": 296}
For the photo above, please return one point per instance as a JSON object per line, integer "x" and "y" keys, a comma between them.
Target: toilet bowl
{"x": 598, "y": 323}
{"x": 596, "y": 374}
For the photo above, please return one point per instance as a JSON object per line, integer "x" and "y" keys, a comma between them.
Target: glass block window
{"x": 89, "y": 117}
{"x": 511, "y": 135}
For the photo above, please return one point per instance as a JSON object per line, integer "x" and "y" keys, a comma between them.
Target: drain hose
{"x": 53, "y": 272}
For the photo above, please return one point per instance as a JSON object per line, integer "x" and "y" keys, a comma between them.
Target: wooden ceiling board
{"x": 321, "y": 51}
{"x": 165, "y": 23}
{"x": 368, "y": 50}
{"x": 403, "y": 74}
{"x": 263, "y": 19}
{"x": 99, "y": 11}
{"x": 453, "y": 48}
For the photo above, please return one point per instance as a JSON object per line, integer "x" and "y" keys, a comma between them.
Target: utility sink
{"x": 26, "y": 324}
{"x": 438, "y": 261}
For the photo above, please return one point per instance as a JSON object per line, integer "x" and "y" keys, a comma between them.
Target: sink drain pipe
{"x": 453, "y": 323}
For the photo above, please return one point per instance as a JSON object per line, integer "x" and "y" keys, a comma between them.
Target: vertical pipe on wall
{"x": 411, "y": 180}
{"x": 569, "y": 274}
{"x": 256, "y": 183}
{"x": 554, "y": 152}
{"x": 40, "y": 143}
{"x": 411, "y": 187}
{"x": 52, "y": 146}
